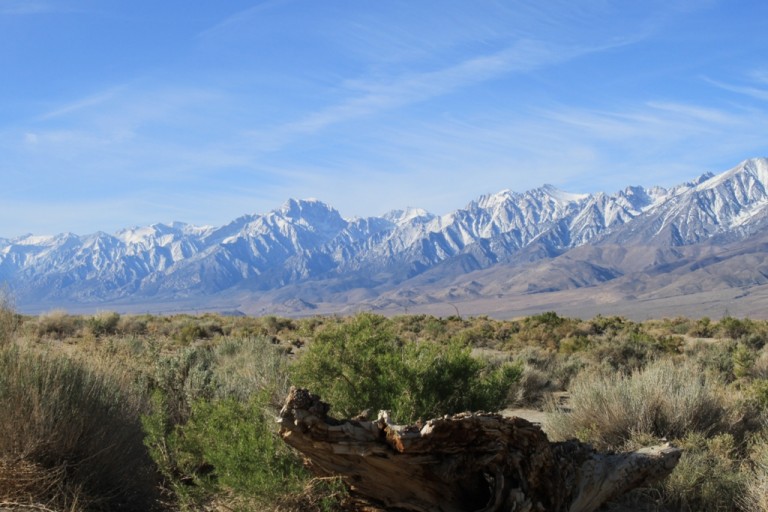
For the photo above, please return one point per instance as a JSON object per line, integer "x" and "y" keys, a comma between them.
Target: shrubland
{"x": 143, "y": 412}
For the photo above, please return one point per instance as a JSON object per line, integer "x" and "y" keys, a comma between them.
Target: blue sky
{"x": 116, "y": 113}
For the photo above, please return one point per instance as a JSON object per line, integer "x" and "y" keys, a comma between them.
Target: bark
{"x": 466, "y": 462}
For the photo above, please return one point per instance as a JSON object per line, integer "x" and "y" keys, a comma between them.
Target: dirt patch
{"x": 532, "y": 415}
{"x": 561, "y": 399}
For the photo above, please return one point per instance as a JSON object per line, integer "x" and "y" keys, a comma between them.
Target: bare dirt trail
{"x": 538, "y": 416}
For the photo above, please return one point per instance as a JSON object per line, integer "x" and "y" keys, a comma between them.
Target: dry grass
{"x": 25, "y": 485}
{"x": 663, "y": 400}
{"x": 8, "y": 318}
{"x": 78, "y": 428}
{"x": 755, "y": 498}
{"x": 247, "y": 366}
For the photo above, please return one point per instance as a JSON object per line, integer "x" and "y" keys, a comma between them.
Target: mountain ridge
{"x": 307, "y": 245}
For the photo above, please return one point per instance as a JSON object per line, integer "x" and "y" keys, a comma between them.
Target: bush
{"x": 191, "y": 331}
{"x": 103, "y": 324}
{"x": 132, "y": 325}
{"x": 248, "y": 366}
{"x": 437, "y": 380}
{"x": 212, "y": 431}
{"x": 733, "y": 328}
{"x": 709, "y": 475}
{"x": 662, "y": 400}
{"x": 57, "y": 324}
{"x": 743, "y": 361}
{"x": 702, "y": 328}
{"x": 532, "y": 387}
{"x": 184, "y": 377}
{"x": 755, "y": 498}
{"x": 9, "y": 321}
{"x": 360, "y": 364}
{"x": 225, "y": 447}
{"x": 80, "y": 423}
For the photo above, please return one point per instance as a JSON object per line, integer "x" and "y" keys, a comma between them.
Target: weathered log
{"x": 466, "y": 462}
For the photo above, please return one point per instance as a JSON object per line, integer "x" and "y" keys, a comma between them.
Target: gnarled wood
{"x": 466, "y": 462}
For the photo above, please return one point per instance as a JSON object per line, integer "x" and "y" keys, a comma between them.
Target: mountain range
{"x": 696, "y": 249}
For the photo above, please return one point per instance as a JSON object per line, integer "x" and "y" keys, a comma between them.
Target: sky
{"x": 116, "y": 114}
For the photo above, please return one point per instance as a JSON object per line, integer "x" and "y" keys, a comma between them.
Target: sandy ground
{"x": 531, "y": 415}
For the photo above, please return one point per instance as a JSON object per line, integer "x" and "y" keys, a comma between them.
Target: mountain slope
{"x": 636, "y": 242}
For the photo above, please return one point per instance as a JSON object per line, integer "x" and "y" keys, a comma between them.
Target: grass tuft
{"x": 77, "y": 427}
{"x": 663, "y": 400}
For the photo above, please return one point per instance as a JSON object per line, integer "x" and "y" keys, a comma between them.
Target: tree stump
{"x": 466, "y": 462}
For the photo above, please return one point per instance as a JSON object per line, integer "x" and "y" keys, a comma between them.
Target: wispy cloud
{"x": 747, "y": 90}
{"x": 370, "y": 97}
{"x": 759, "y": 75}
{"x": 83, "y": 103}
{"x": 240, "y": 18}
{"x": 717, "y": 118}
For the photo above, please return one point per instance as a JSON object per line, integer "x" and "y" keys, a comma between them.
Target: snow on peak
{"x": 297, "y": 209}
{"x": 561, "y": 196}
{"x": 756, "y": 168}
{"x": 504, "y": 197}
{"x": 34, "y": 240}
{"x": 492, "y": 201}
{"x": 409, "y": 214}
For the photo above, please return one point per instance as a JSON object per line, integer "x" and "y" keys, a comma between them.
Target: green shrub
{"x": 622, "y": 353}
{"x": 360, "y": 364}
{"x": 352, "y": 365}
{"x": 743, "y": 360}
{"x": 103, "y": 324}
{"x": 225, "y": 447}
{"x": 241, "y": 443}
{"x": 212, "y": 431}
{"x": 191, "y": 331}
{"x": 702, "y": 328}
{"x": 734, "y": 328}
{"x": 607, "y": 324}
{"x": 757, "y": 393}
{"x": 445, "y": 379}
{"x": 573, "y": 344}
{"x": 273, "y": 325}
{"x": 716, "y": 357}
{"x": 709, "y": 476}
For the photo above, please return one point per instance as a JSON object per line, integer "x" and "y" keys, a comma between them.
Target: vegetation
{"x": 362, "y": 364}
{"x": 142, "y": 412}
{"x": 78, "y": 427}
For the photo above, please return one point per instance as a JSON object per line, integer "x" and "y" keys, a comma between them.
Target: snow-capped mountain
{"x": 732, "y": 204}
{"x": 307, "y": 241}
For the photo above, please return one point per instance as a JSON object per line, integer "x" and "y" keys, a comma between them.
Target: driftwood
{"x": 466, "y": 462}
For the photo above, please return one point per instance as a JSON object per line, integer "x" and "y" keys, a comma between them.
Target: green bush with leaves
{"x": 360, "y": 364}
{"x": 212, "y": 429}
{"x": 225, "y": 446}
